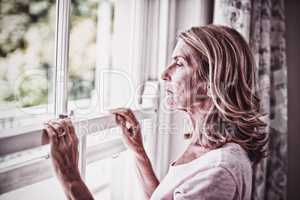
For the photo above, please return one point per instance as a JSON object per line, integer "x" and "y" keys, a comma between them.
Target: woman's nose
{"x": 166, "y": 75}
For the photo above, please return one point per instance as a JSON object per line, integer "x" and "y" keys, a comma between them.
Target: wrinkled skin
{"x": 64, "y": 156}
{"x": 131, "y": 130}
{"x": 132, "y": 137}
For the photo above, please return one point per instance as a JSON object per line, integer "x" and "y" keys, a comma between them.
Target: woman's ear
{"x": 208, "y": 92}
{"x": 201, "y": 91}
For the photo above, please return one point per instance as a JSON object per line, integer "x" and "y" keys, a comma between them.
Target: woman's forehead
{"x": 180, "y": 49}
{"x": 183, "y": 50}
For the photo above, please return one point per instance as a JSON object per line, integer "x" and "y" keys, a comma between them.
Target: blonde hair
{"x": 228, "y": 67}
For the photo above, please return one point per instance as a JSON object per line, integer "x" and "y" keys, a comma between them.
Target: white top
{"x": 224, "y": 173}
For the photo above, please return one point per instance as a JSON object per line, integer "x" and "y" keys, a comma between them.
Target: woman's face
{"x": 182, "y": 85}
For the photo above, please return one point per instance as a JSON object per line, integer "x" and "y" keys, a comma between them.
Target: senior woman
{"x": 212, "y": 79}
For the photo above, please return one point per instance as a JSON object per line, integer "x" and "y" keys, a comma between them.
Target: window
{"x": 83, "y": 56}
{"x": 26, "y": 66}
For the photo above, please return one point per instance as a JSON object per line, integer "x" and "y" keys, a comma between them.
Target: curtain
{"x": 262, "y": 23}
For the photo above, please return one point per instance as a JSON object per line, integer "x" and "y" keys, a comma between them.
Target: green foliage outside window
{"x": 27, "y": 44}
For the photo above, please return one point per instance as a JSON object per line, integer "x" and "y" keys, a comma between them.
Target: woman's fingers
{"x": 65, "y": 130}
{"x": 130, "y": 129}
{"x": 57, "y": 126}
{"x": 72, "y": 130}
{"x": 127, "y": 114}
{"x": 68, "y": 137}
{"x": 60, "y": 132}
{"x": 51, "y": 134}
{"x": 131, "y": 116}
{"x": 121, "y": 121}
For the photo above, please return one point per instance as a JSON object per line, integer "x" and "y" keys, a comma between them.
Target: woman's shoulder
{"x": 234, "y": 159}
{"x": 230, "y": 164}
{"x": 223, "y": 172}
{"x": 232, "y": 154}
{"x": 228, "y": 154}
{"x": 231, "y": 157}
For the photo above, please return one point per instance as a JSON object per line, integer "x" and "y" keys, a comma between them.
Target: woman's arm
{"x": 77, "y": 190}
{"x": 64, "y": 155}
{"x": 146, "y": 174}
{"x": 133, "y": 139}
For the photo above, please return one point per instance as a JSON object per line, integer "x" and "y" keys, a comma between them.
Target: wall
{"x": 293, "y": 59}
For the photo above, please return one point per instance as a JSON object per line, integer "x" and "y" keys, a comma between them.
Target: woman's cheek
{"x": 180, "y": 98}
{"x": 185, "y": 95}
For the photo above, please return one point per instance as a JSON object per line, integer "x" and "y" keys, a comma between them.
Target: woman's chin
{"x": 171, "y": 104}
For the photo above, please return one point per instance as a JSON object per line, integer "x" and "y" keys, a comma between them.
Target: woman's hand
{"x": 131, "y": 133}
{"x": 63, "y": 149}
{"x": 64, "y": 154}
{"x": 131, "y": 130}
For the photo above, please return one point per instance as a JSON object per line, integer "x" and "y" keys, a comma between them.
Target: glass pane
{"x": 26, "y": 61}
{"x": 82, "y": 56}
{"x": 101, "y": 58}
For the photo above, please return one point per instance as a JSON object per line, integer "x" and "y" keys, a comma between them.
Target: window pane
{"x": 27, "y": 40}
{"x": 82, "y": 56}
{"x": 102, "y": 73}
{"x": 26, "y": 61}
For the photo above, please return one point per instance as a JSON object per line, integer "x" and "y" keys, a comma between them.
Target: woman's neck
{"x": 197, "y": 113}
{"x": 194, "y": 149}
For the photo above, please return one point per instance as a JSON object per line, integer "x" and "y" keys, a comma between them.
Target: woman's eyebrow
{"x": 179, "y": 56}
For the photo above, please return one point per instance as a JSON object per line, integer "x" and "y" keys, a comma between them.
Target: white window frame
{"x": 26, "y": 138}
{"x": 161, "y": 14}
